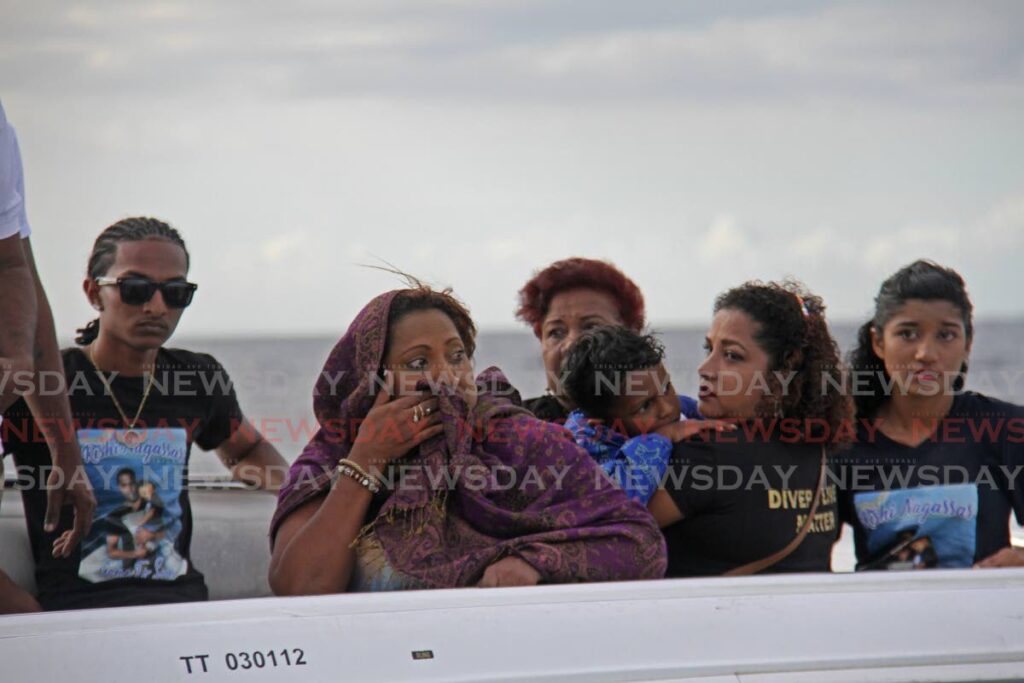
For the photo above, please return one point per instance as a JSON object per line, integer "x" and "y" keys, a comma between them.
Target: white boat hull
{"x": 913, "y": 626}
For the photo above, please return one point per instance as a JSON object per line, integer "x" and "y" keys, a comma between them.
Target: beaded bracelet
{"x": 353, "y": 470}
{"x": 359, "y": 468}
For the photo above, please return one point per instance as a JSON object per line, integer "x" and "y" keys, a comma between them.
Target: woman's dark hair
{"x": 104, "y": 253}
{"x": 792, "y": 331}
{"x": 922, "y": 279}
{"x": 596, "y": 365}
{"x": 580, "y": 273}
{"x": 422, "y": 298}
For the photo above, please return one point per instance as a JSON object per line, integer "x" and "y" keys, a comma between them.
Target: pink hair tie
{"x": 803, "y": 306}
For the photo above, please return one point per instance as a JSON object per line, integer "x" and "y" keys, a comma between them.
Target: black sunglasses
{"x": 136, "y": 290}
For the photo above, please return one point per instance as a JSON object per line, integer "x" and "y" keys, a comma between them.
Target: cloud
{"x": 813, "y": 245}
{"x": 554, "y": 51}
{"x": 891, "y": 250}
{"x": 695, "y": 144}
{"x": 279, "y": 249}
{"x": 724, "y": 243}
{"x": 1002, "y": 229}
{"x": 909, "y": 50}
{"x": 996, "y": 234}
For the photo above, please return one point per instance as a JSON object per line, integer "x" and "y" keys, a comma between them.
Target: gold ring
{"x": 417, "y": 413}
{"x": 427, "y": 410}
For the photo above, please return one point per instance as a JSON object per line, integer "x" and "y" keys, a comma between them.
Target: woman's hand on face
{"x": 1004, "y": 557}
{"x": 396, "y": 425}
{"x": 509, "y": 571}
{"x": 680, "y": 431}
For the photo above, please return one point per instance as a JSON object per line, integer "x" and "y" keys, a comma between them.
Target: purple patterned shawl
{"x": 581, "y": 528}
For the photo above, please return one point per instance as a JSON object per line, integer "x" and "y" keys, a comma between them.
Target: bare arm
{"x": 664, "y": 509}
{"x": 311, "y": 550}
{"x": 684, "y": 429}
{"x": 116, "y": 553}
{"x": 1009, "y": 556}
{"x": 17, "y": 318}
{"x": 252, "y": 459}
{"x": 13, "y": 599}
{"x": 48, "y": 402}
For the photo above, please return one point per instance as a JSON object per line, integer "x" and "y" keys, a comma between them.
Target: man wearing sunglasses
{"x": 136, "y": 290}
{"x": 140, "y": 407}
{"x": 29, "y": 351}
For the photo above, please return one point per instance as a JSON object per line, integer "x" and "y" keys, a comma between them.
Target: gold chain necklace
{"x": 110, "y": 391}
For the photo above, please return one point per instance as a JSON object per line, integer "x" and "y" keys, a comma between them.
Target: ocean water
{"x": 274, "y": 376}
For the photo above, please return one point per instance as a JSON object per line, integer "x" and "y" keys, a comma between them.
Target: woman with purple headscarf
{"x": 421, "y": 477}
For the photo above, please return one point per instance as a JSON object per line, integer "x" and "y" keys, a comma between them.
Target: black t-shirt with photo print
{"x": 953, "y": 493}
{"x": 745, "y": 496}
{"x": 138, "y": 550}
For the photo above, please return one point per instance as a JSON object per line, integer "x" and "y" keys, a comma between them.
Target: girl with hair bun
{"x": 933, "y": 464}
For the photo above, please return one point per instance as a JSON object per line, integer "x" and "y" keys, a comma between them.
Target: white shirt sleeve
{"x": 13, "y": 218}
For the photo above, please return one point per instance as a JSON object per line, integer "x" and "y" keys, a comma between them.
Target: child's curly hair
{"x": 598, "y": 362}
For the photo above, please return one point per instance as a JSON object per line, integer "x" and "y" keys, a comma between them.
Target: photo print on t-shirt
{"x": 919, "y": 528}
{"x": 137, "y": 476}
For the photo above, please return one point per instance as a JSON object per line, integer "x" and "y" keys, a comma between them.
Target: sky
{"x": 472, "y": 142}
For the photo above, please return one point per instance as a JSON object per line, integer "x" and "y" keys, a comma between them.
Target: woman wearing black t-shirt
{"x": 138, "y": 407}
{"x": 932, "y": 465}
{"x": 756, "y": 499}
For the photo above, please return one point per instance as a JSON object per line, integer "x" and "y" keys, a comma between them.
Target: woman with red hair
{"x": 564, "y": 300}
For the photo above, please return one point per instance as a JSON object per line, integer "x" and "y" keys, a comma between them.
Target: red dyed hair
{"x": 580, "y": 273}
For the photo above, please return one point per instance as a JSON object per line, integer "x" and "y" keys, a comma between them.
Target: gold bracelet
{"x": 372, "y": 485}
{"x": 358, "y": 468}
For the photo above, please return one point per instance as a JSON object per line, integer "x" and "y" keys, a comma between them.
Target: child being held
{"x": 628, "y": 414}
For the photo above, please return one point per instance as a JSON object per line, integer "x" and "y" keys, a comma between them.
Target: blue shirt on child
{"x": 637, "y": 464}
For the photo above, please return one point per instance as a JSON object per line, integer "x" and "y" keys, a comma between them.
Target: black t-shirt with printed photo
{"x": 950, "y": 496}
{"x": 745, "y": 497}
{"x": 137, "y": 551}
